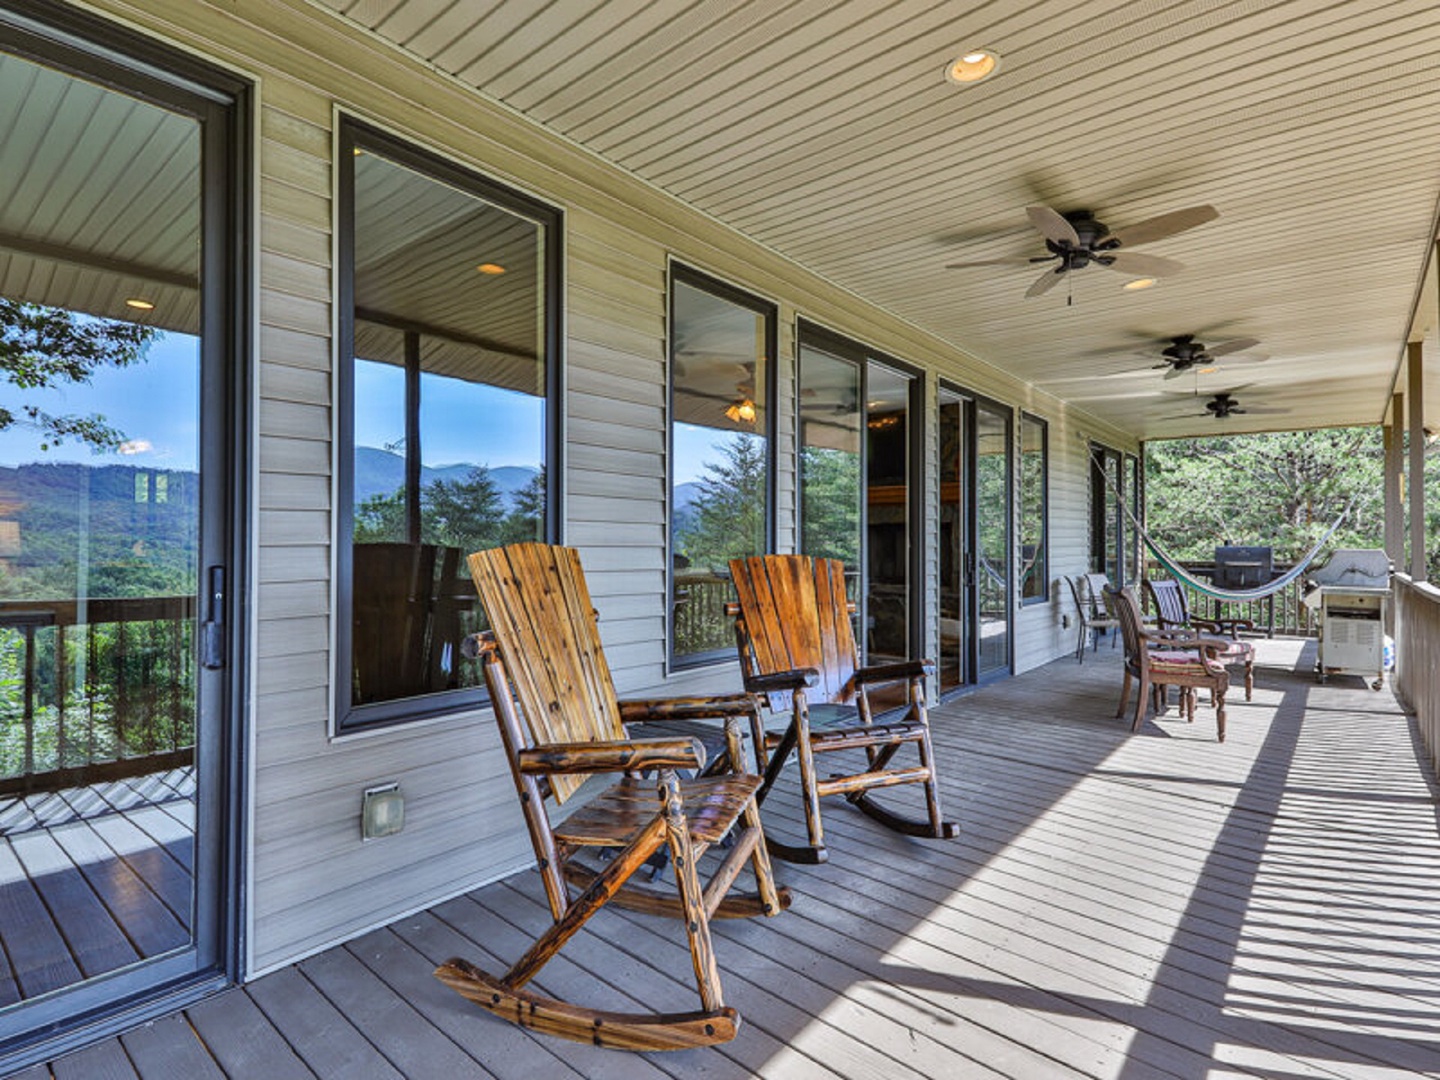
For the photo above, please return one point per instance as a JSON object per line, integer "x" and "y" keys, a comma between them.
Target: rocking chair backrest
{"x": 540, "y": 612}
{"x": 794, "y": 614}
{"x": 1170, "y": 604}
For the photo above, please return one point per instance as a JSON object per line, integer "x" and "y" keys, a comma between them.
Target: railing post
{"x": 1415, "y": 370}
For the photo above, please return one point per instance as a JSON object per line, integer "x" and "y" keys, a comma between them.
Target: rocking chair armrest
{"x": 618, "y": 755}
{"x": 639, "y": 710}
{"x": 896, "y": 672}
{"x": 777, "y": 682}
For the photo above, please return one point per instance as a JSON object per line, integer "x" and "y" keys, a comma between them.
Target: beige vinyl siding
{"x": 313, "y": 881}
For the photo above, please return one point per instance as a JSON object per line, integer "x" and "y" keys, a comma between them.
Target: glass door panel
{"x": 887, "y": 517}
{"x": 956, "y": 634}
{"x": 112, "y": 536}
{"x": 992, "y": 531}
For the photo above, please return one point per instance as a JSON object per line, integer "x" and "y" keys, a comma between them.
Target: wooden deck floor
{"x": 92, "y": 879}
{"x": 1117, "y": 907}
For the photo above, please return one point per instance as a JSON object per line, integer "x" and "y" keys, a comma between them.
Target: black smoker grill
{"x": 1239, "y": 567}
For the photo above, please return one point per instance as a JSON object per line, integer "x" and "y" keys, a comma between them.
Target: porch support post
{"x": 1394, "y": 471}
{"x": 1415, "y": 371}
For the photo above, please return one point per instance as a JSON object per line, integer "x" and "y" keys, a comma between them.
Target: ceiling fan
{"x": 1183, "y": 353}
{"x": 1077, "y": 238}
{"x": 1224, "y": 405}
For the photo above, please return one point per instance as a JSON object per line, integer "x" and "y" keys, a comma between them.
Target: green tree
{"x": 1280, "y": 490}
{"x": 830, "y": 503}
{"x": 727, "y": 518}
{"x": 43, "y": 347}
{"x": 467, "y": 514}
{"x": 526, "y": 520}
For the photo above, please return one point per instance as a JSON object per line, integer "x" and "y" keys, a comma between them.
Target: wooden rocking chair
{"x": 792, "y": 628}
{"x": 544, "y": 653}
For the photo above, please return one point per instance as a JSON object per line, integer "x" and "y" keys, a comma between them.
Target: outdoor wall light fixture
{"x": 972, "y": 66}
{"x": 382, "y": 812}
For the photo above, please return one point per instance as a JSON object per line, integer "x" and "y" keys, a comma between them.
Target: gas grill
{"x": 1349, "y": 594}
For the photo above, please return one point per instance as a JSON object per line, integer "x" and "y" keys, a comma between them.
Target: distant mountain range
{"x": 381, "y": 472}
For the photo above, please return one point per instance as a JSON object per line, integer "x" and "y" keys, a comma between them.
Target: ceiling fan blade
{"x": 1234, "y": 345}
{"x": 1044, "y": 283}
{"x": 1266, "y": 411}
{"x": 1174, "y": 372}
{"x": 1137, "y": 264}
{"x": 1187, "y": 416}
{"x": 1165, "y": 225}
{"x": 1052, "y": 225}
{"x": 1017, "y": 260}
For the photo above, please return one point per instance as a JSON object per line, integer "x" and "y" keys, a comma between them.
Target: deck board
{"x": 1116, "y": 907}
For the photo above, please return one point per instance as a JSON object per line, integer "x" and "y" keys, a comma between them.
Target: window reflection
{"x": 448, "y": 406}
{"x": 720, "y": 456}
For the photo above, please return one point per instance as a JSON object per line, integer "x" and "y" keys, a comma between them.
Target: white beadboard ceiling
{"x": 826, "y": 130}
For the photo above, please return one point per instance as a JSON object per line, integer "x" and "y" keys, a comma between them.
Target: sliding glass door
{"x": 975, "y": 512}
{"x": 116, "y": 568}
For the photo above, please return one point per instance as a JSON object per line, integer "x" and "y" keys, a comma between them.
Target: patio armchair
{"x": 799, "y": 659}
{"x": 1172, "y": 612}
{"x": 1159, "y": 658}
{"x": 1088, "y": 592}
{"x": 543, "y": 661}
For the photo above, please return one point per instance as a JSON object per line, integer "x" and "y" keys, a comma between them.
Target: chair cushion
{"x": 1181, "y": 662}
{"x": 616, "y": 815}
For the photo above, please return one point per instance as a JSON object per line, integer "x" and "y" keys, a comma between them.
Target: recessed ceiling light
{"x": 140, "y": 305}
{"x": 1139, "y": 283}
{"x": 490, "y": 268}
{"x": 972, "y": 66}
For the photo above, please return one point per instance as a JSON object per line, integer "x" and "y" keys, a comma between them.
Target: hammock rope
{"x": 1237, "y": 596}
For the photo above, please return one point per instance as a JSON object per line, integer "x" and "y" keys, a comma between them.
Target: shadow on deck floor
{"x": 1117, "y": 906}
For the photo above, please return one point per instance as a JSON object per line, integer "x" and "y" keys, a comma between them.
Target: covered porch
{"x": 1118, "y": 905}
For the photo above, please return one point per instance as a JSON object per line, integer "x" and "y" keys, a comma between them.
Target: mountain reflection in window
{"x": 448, "y": 429}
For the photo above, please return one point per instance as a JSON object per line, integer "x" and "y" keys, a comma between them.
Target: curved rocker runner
{"x": 543, "y": 654}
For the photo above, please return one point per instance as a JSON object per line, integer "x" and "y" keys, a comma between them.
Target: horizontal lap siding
{"x": 312, "y": 881}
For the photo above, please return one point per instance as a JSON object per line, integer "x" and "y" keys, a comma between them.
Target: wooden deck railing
{"x": 94, "y": 690}
{"x": 1417, "y": 645}
{"x": 700, "y": 622}
{"x": 1280, "y": 613}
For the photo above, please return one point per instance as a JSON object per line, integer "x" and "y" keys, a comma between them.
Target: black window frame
{"x": 1044, "y": 561}
{"x": 698, "y": 279}
{"x": 844, "y": 347}
{"x": 350, "y": 133}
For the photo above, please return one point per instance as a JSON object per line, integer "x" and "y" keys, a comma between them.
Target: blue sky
{"x": 154, "y": 403}
{"x": 460, "y": 422}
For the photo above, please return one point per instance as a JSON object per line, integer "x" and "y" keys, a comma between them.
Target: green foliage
{"x": 43, "y": 347}
{"x": 830, "y": 504}
{"x": 468, "y": 514}
{"x": 728, "y": 516}
{"x": 1282, "y": 490}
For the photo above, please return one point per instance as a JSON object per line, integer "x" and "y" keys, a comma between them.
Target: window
{"x": 722, "y": 361}
{"x": 1034, "y": 488}
{"x": 447, "y": 432}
